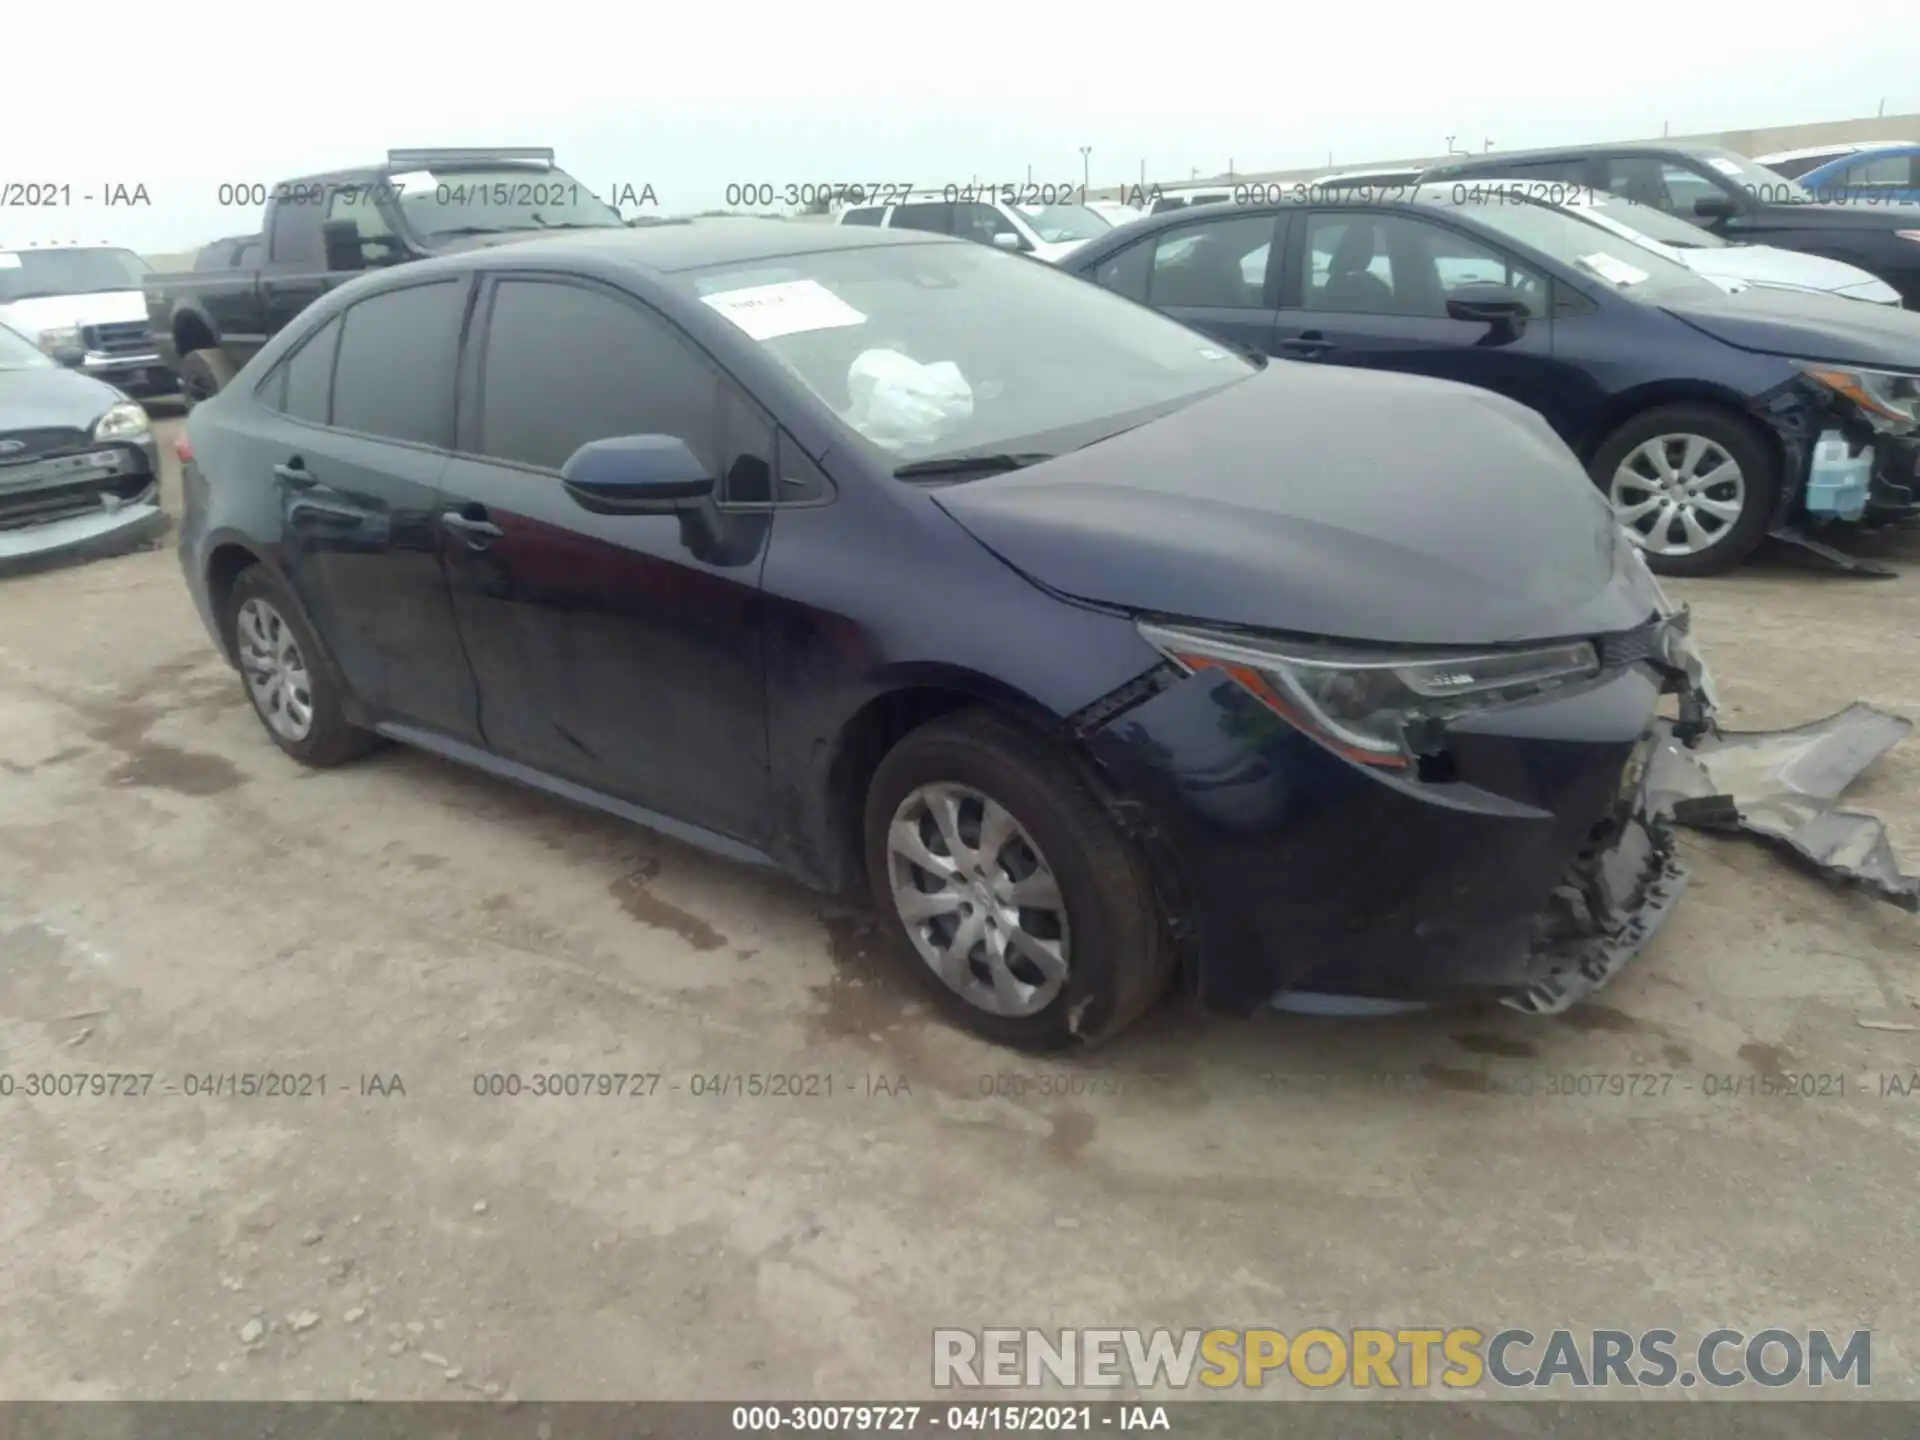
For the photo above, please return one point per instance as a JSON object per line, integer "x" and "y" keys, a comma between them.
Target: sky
{"x": 692, "y": 98}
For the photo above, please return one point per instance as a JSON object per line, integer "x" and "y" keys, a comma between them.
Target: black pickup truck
{"x": 322, "y": 230}
{"x": 1718, "y": 190}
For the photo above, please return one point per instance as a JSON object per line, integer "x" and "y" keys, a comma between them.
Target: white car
{"x": 1046, "y": 232}
{"x": 1732, "y": 267}
{"x": 1794, "y": 163}
{"x": 82, "y": 305}
{"x": 1115, "y": 213}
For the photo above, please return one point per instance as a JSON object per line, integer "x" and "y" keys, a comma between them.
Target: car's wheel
{"x": 1693, "y": 487}
{"x": 204, "y": 374}
{"x": 293, "y": 684}
{"x": 1012, "y": 896}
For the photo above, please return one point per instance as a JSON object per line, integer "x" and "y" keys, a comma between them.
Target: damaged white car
{"x": 79, "y": 470}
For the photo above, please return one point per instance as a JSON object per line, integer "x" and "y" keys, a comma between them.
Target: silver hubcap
{"x": 276, "y": 671}
{"x": 1678, "y": 494}
{"x": 978, "y": 899}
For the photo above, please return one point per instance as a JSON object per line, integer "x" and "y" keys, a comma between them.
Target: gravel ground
{"x": 177, "y": 899}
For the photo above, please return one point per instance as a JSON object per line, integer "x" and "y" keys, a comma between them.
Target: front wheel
{"x": 204, "y": 374}
{"x": 1012, "y": 897}
{"x": 1692, "y": 486}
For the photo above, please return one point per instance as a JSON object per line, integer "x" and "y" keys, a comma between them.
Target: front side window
{"x": 1220, "y": 264}
{"x": 980, "y": 223}
{"x": 294, "y": 235}
{"x": 1393, "y": 265}
{"x": 398, "y": 354}
{"x": 936, "y": 217}
{"x": 32, "y": 274}
{"x": 1126, "y": 273}
{"x": 566, "y": 364}
{"x": 936, "y": 350}
{"x": 864, "y": 215}
{"x": 1894, "y": 172}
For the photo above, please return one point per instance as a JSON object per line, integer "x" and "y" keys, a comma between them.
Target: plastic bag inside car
{"x": 897, "y": 401}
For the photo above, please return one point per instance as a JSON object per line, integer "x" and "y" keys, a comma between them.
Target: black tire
{"x": 204, "y": 374}
{"x": 1759, "y": 473}
{"x": 329, "y": 739}
{"x": 1119, "y": 954}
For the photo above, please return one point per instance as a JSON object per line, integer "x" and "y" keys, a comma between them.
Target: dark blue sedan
{"x": 1708, "y": 418}
{"x": 1093, "y": 651}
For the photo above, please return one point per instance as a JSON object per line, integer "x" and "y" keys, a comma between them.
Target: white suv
{"x": 1046, "y": 232}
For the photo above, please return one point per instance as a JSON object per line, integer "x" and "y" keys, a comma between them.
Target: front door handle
{"x": 473, "y": 526}
{"x": 296, "y": 474}
{"x": 1311, "y": 342}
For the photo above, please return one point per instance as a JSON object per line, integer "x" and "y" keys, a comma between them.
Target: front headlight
{"x": 1362, "y": 703}
{"x": 125, "y": 421}
{"x": 1890, "y": 401}
{"x": 63, "y": 343}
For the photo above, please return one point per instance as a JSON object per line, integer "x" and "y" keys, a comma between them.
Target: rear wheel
{"x": 1012, "y": 897}
{"x": 292, "y": 683}
{"x": 204, "y": 374}
{"x": 1693, "y": 487}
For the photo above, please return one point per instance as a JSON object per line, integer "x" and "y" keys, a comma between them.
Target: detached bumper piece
{"x": 1603, "y": 914}
{"x": 1782, "y": 785}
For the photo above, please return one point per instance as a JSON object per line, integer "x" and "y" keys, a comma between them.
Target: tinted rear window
{"x": 395, "y": 374}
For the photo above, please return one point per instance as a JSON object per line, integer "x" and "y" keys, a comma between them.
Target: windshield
{"x": 25, "y": 274}
{"x": 1055, "y": 223}
{"x": 1769, "y": 187}
{"x": 1653, "y": 223}
{"x": 17, "y": 354}
{"x": 935, "y": 350}
{"x": 469, "y": 202}
{"x": 1643, "y": 273}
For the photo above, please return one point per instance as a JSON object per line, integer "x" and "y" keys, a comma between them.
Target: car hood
{"x": 52, "y": 398}
{"x": 1331, "y": 502}
{"x": 1808, "y": 327}
{"x": 54, "y": 312}
{"x": 1770, "y": 265}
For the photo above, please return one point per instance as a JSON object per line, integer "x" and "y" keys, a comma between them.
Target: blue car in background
{"x": 1709, "y": 420}
{"x": 1877, "y": 175}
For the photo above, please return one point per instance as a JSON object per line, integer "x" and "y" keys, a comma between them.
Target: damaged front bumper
{"x": 1532, "y": 871}
{"x": 62, "y": 508}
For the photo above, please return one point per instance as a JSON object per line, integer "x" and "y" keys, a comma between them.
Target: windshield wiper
{"x": 968, "y": 465}
{"x": 474, "y": 230}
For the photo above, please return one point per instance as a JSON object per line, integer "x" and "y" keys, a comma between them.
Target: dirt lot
{"x": 177, "y": 899}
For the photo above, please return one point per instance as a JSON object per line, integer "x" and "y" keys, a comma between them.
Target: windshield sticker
{"x": 767, "y": 312}
{"x": 1614, "y": 271}
{"x": 1725, "y": 167}
{"x": 9, "y": 260}
{"x": 413, "y": 182}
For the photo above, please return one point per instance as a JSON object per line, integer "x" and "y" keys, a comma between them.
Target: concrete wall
{"x": 1762, "y": 141}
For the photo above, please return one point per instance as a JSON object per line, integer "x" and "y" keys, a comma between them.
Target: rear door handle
{"x": 296, "y": 474}
{"x": 473, "y": 526}
{"x": 1311, "y": 343}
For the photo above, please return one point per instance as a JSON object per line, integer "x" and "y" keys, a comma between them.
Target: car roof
{"x": 1573, "y": 152}
{"x": 1838, "y": 148}
{"x": 700, "y": 242}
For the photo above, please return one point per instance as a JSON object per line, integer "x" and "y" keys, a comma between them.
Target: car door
{"x": 622, "y": 652}
{"x": 1369, "y": 287}
{"x": 1216, "y": 273}
{"x": 362, "y": 425}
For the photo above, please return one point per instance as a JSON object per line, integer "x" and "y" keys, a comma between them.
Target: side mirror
{"x": 341, "y": 239}
{"x": 1487, "y": 304}
{"x": 1006, "y": 240}
{"x": 636, "y": 474}
{"x": 1715, "y": 207}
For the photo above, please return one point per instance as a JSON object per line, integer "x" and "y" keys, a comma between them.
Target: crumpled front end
{"x": 63, "y": 498}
